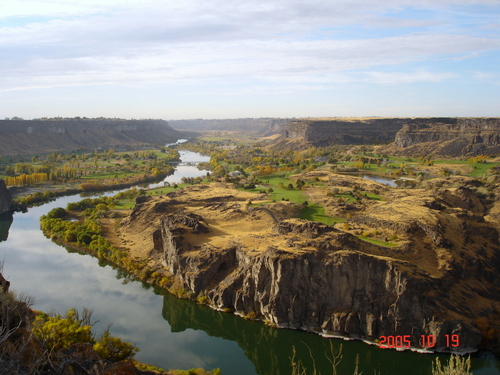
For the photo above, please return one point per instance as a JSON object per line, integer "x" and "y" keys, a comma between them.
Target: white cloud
{"x": 406, "y": 77}
{"x": 290, "y": 43}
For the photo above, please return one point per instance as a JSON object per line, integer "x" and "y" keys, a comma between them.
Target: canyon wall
{"x": 322, "y": 288}
{"x": 24, "y": 137}
{"x": 342, "y": 131}
{"x": 438, "y": 136}
{"x": 450, "y": 136}
{"x": 259, "y": 126}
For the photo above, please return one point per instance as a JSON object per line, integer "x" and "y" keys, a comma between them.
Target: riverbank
{"x": 45, "y": 194}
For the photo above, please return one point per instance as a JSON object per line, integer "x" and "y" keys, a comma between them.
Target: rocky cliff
{"x": 5, "y": 198}
{"x": 261, "y": 126}
{"x": 20, "y": 137}
{"x": 325, "y": 132}
{"x": 307, "y": 275}
{"x": 450, "y": 136}
{"x": 324, "y": 287}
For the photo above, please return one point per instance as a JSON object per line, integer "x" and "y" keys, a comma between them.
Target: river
{"x": 170, "y": 332}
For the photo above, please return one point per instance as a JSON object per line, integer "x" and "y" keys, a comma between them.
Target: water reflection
{"x": 382, "y": 180}
{"x": 5, "y": 223}
{"x": 187, "y": 168}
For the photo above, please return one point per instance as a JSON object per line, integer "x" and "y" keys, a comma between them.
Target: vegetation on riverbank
{"x": 33, "y": 342}
{"x": 79, "y": 227}
{"x": 40, "y": 178}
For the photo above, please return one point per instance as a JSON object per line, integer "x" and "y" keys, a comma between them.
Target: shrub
{"x": 57, "y": 213}
{"x": 57, "y": 332}
{"x": 114, "y": 348}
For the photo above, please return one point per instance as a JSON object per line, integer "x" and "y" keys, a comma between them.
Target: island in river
{"x": 236, "y": 251}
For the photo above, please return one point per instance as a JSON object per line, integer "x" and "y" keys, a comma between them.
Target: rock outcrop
{"x": 307, "y": 275}
{"x": 261, "y": 126}
{"x": 320, "y": 288}
{"x": 21, "y": 137}
{"x": 450, "y": 136}
{"x": 438, "y": 279}
{"x": 5, "y": 198}
{"x": 340, "y": 131}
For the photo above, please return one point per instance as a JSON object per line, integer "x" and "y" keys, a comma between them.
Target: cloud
{"x": 405, "y": 78}
{"x": 299, "y": 44}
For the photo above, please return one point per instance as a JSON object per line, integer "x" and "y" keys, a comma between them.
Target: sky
{"x": 184, "y": 59}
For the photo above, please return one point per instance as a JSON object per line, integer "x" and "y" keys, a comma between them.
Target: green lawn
{"x": 372, "y": 196}
{"x": 314, "y": 212}
{"x": 109, "y": 175}
{"x": 481, "y": 168}
{"x": 377, "y": 242}
{"x": 346, "y": 196}
{"x": 124, "y": 204}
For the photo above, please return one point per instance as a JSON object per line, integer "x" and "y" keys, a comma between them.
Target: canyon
{"x": 323, "y": 132}
{"x": 28, "y": 137}
{"x": 447, "y": 137}
{"x": 450, "y": 137}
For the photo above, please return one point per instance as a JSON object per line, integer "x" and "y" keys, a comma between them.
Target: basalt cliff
{"x": 325, "y": 132}
{"x": 24, "y": 137}
{"x": 438, "y": 279}
{"x": 450, "y": 137}
{"x": 260, "y": 126}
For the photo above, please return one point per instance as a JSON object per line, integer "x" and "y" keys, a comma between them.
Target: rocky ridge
{"x": 324, "y": 132}
{"x": 21, "y": 137}
{"x": 308, "y": 275}
{"x": 261, "y": 126}
{"x": 450, "y": 136}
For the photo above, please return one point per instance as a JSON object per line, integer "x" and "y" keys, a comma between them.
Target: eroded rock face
{"x": 323, "y": 132}
{"x": 332, "y": 289}
{"x": 451, "y": 136}
{"x": 5, "y": 198}
{"x": 35, "y": 136}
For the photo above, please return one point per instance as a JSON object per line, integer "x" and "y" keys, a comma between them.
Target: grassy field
{"x": 314, "y": 212}
{"x": 481, "y": 168}
{"x": 377, "y": 242}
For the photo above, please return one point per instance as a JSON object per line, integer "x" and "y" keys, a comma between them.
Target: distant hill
{"x": 258, "y": 126}
{"x": 21, "y": 137}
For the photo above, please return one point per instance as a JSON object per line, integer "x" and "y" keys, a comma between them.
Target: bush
{"x": 57, "y": 332}
{"x": 113, "y": 348}
{"x": 57, "y": 213}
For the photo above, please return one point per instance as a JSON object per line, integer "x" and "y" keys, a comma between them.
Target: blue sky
{"x": 257, "y": 58}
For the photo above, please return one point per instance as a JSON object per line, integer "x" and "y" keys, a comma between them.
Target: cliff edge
{"x": 22, "y": 137}
{"x": 306, "y": 275}
{"x": 324, "y": 132}
{"x": 450, "y": 137}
